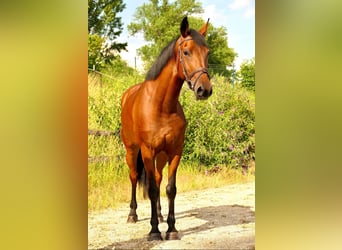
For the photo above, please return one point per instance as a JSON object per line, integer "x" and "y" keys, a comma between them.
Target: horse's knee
{"x": 158, "y": 179}
{"x": 171, "y": 191}
{"x": 133, "y": 175}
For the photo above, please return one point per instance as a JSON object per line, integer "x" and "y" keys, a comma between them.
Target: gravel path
{"x": 217, "y": 218}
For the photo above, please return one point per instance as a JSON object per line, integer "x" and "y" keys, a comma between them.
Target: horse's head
{"x": 193, "y": 53}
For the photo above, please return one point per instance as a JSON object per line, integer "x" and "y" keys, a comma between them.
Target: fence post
{"x": 97, "y": 74}
{"x": 233, "y": 73}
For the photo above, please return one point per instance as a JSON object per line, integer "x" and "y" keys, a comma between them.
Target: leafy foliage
{"x": 104, "y": 102}
{"x": 220, "y": 130}
{"x": 104, "y": 26}
{"x": 119, "y": 67}
{"x": 247, "y": 74}
{"x": 159, "y": 22}
{"x": 221, "y": 55}
{"x": 97, "y": 56}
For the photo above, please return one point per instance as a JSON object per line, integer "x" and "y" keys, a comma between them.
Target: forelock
{"x": 198, "y": 38}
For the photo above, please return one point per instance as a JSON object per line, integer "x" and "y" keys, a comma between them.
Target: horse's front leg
{"x": 161, "y": 160}
{"x": 171, "y": 190}
{"x": 153, "y": 192}
{"x": 131, "y": 158}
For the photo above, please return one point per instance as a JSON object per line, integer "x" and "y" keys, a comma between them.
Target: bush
{"x": 104, "y": 102}
{"x": 104, "y": 114}
{"x": 247, "y": 74}
{"x": 221, "y": 129}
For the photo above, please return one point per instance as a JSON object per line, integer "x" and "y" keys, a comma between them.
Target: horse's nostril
{"x": 200, "y": 91}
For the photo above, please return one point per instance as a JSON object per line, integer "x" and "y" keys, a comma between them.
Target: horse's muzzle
{"x": 203, "y": 93}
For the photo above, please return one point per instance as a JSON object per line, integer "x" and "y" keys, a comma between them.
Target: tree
{"x": 221, "y": 55}
{"x": 104, "y": 26}
{"x": 247, "y": 74}
{"x": 120, "y": 67}
{"x": 159, "y": 22}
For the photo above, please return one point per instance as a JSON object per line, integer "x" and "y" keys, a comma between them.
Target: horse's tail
{"x": 142, "y": 180}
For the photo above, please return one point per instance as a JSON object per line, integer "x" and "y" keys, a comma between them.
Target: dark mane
{"x": 167, "y": 52}
{"x": 161, "y": 61}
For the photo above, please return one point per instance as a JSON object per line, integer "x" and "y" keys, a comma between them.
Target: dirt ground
{"x": 217, "y": 218}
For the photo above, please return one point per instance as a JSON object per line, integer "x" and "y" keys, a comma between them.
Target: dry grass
{"x": 110, "y": 186}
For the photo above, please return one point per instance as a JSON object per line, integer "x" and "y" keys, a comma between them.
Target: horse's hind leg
{"x": 131, "y": 159}
{"x": 161, "y": 160}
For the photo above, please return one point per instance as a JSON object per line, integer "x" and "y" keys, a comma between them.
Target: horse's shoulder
{"x": 129, "y": 92}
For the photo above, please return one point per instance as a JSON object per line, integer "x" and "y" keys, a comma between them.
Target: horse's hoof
{"x": 172, "y": 236}
{"x": 154, "y": 236}
{"x": 132, "y": 218}
{"x": 160, "y": 219}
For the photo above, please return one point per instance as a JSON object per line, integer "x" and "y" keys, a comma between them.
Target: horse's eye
{"x": 186, "y": 52}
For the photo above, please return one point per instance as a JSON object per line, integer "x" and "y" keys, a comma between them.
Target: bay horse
{"x": 153, "y": 122}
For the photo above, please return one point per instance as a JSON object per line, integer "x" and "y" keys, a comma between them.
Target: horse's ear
{"x": 204, "y": 29}
{"x": 184, "y": 28}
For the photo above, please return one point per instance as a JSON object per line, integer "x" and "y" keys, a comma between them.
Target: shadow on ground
{"x": 215, "y": 217}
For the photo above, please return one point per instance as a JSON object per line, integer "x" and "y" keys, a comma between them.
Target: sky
{"x": 238, "y": 16}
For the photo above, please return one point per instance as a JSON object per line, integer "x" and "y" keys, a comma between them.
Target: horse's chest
{"x": 167, "y": 133}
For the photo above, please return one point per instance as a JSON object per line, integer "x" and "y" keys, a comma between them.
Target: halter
{"x": 188, "y": 77}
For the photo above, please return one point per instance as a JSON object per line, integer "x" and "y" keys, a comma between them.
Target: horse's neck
{"x": 168, "y": 87}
